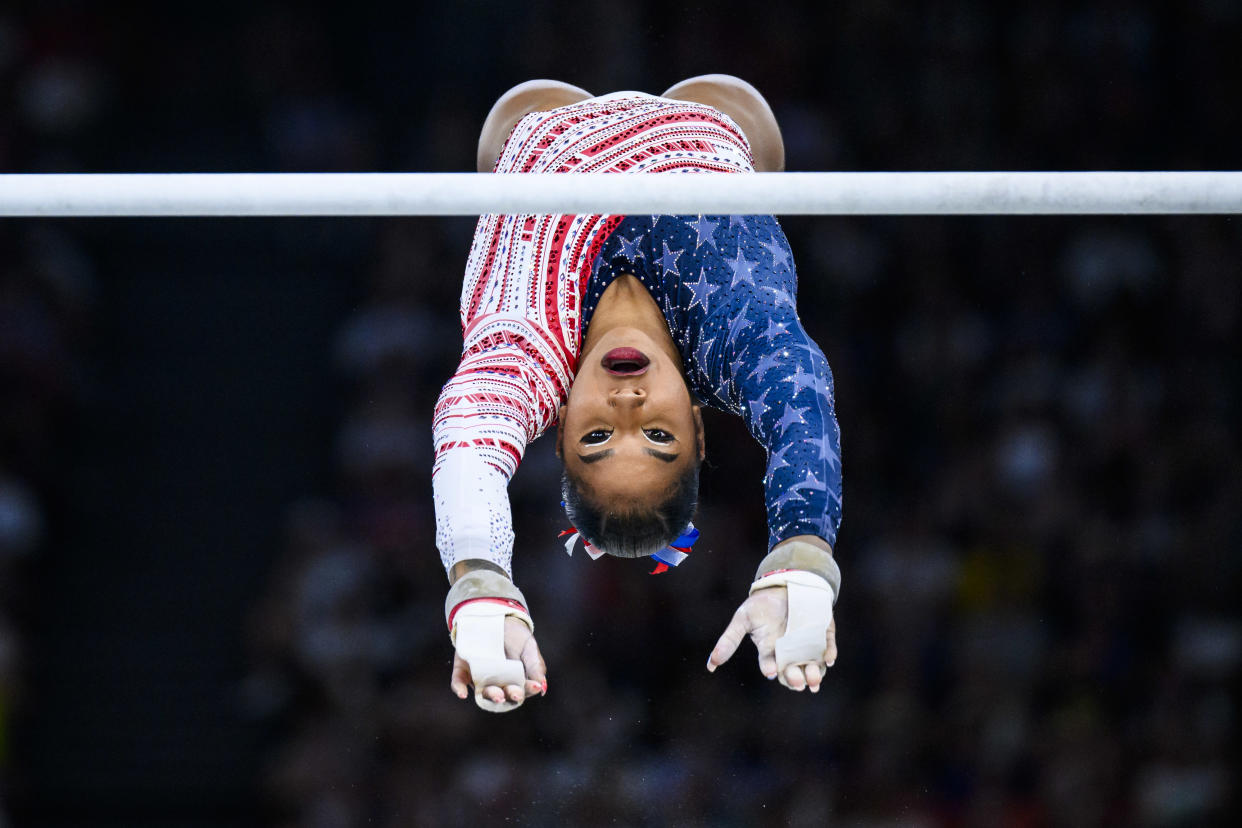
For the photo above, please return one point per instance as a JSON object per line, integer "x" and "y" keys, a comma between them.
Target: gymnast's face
{"x": 630, "y": 428}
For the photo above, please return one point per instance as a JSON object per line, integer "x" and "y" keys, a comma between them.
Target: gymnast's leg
{"x": 523, "y": 99}
{"x": 748, "y": 109}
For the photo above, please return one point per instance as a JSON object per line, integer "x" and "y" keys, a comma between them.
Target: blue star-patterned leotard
{"x": 727, "y": 287}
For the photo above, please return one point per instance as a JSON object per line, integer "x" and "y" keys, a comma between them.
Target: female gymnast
{"x": 617, "y": 328}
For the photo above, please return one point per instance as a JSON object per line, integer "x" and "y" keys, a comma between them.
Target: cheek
{"x": 580, "y": 392}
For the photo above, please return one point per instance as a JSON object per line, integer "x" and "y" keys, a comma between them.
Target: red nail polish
{"x": 545, "y": 688}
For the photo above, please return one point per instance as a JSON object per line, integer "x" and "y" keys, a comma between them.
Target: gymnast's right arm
{"x": 497, "y": 401}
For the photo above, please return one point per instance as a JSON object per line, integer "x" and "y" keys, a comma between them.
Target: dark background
{"x": 221, "y": 597}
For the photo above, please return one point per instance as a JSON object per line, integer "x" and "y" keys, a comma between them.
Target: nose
{"x": 627, "y": 397}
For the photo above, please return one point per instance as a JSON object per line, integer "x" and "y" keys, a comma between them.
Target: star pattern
{"x": 790, "y": 494}
{"x": 703, "y": 230}
{"x": 743, "y": 270}
{"x": 826, "y": 452}
{"x": 760, "y": 406}
{"x": 739, "y": 362}
{"x": 630, "y": 249}
{"x": 766, "y": 363}
{"x": 739, "y": 323}
{"x": 804, "y": 379}
{"x": 669, "y": 260}
{"x": 810, "y": 483}
{"x": 701, "y": 290}
{"x": 702, "y": 354}
{"x": 732, "y": 315}
{"x": 792, "y": 416}
{"x": 775, "y": 329}
{"x": 777, "y": 461}
{"x": 782, "y": 297}
{"x": 780, "y": 254}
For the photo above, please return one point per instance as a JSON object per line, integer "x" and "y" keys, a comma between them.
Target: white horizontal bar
{"x": 453, "y": 194}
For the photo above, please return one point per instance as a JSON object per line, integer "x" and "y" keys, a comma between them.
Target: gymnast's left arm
{"x": 778, "y": 380}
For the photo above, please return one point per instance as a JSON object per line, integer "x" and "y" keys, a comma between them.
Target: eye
{"x": 658, "y": 435}
{"x": 594, "y": 438}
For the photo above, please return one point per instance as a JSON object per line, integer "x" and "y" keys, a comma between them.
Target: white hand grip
{"x": 810, "y": 600}
{"x": 479, "y": 630}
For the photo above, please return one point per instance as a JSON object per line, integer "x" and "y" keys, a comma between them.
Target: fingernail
{"x": 815, "y": 689}
{"x": 545, "y": 688}
{"x": 711, "y": 668}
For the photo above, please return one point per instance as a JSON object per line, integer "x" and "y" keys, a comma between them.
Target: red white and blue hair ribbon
{"x": 675, "y": 552}
{"x": 671, "y": 555}
{"x": 574, "y": 534}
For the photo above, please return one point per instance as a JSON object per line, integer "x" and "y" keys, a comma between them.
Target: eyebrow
{"x": 595, "y": 457}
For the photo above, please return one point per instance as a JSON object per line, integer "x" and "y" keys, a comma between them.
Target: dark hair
{"x": 629, "y": 529}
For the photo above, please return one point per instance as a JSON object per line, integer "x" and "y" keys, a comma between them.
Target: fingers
{"x": 799, "y": 677}
{"x": 767, "y": 658}
{"x": 810, "y": 676}
{"x": 793, "y": 678}
{"x": 510, "y": 694}
{"x": 519, "y": 644}
{"x": 814, "y": 674}
{"x": 536, "y": 668}
{"x": 460, "y": 681}
{"x": 729, "y": 640}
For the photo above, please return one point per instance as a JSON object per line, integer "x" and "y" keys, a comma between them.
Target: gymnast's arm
{"x": 486, "y": 414}
{"x": 777, "y": 379}
{"x": 785, "y": 396}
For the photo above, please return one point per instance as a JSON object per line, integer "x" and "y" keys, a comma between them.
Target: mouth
{"x": 625, "y": 362}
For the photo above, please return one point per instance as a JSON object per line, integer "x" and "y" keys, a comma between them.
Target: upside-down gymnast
{"x": 616, "y": 329}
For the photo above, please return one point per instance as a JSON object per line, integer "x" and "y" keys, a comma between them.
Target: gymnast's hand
{"x": 800, "y": 656}
{"x": 519, "y": 644}
{"x": 493, "y": 638}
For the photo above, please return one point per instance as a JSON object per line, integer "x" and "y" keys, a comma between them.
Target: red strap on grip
{"x": 508, "y": 602}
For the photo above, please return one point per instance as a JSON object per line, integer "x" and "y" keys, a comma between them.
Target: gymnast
{"x": 617, "y": 329}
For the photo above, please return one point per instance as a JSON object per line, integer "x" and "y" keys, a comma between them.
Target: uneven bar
{"x": 468, "y": 194}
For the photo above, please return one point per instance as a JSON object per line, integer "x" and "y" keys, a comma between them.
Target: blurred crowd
{"x": 1040, "y": 550}
{"x": 45, "y": 297}
{"x": 48, "y": 284}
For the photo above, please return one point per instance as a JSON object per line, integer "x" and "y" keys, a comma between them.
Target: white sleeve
{"x": 473, "y": 519}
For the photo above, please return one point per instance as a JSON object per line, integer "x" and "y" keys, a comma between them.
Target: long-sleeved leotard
{"x": 726, "y": 286}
